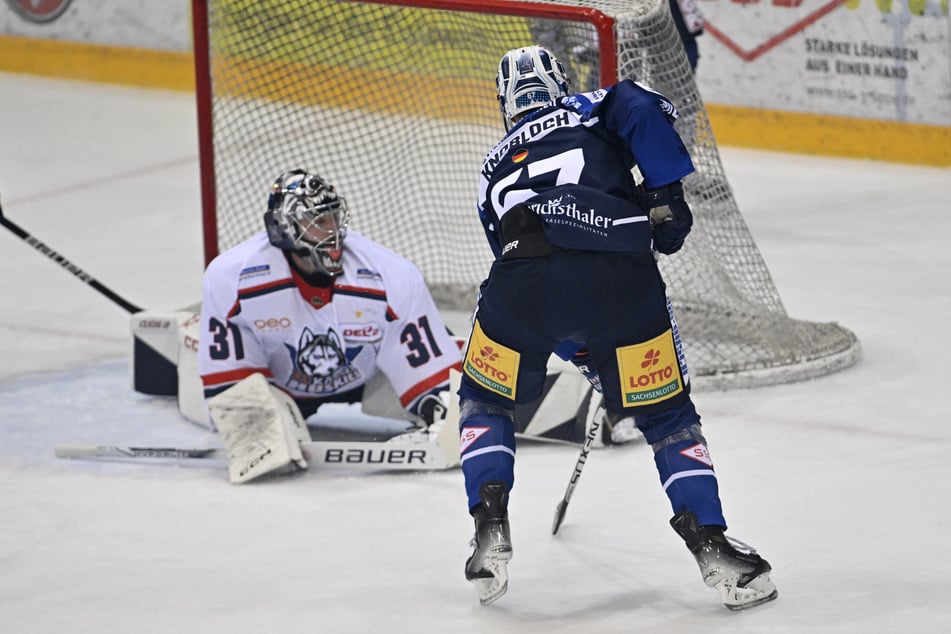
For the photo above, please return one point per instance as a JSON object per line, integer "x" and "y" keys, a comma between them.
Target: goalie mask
{"x": 528, "y": 79}
{"x": 306, "y": 216}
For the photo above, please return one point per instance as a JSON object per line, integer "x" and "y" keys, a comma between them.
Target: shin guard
{"x": 487, "y": 447}
{"x": 687, "y": 475}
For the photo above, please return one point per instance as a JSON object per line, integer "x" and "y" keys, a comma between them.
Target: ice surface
{"x": 843, "y": 483}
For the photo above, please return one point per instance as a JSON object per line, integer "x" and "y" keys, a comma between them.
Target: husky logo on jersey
{"x": 318, "y": 355}
{"x": 320, "y": 364}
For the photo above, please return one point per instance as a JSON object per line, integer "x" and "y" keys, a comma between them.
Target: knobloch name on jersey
{"x": 528, "y": 132}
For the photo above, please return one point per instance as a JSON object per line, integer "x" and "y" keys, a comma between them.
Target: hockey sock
{"x": 487, "y": 448}
{"x": 686, "y": 473}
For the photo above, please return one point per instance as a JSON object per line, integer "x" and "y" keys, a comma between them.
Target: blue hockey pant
{"x": 616, "y": 304}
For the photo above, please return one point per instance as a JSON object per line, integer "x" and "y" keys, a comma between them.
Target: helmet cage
{"x": 528, "y": 78}
{"x": 306, "y": 216}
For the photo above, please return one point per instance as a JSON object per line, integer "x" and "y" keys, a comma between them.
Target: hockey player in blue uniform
{"x": 574, "y": 238}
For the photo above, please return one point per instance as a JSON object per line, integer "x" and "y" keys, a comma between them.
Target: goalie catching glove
{"x": 670, "y": 216}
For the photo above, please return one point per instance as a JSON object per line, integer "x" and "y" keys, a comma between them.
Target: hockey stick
{"x": 66, "y": 264}
{"x": 576, "y": 474}
{"x": 366, "y": 456}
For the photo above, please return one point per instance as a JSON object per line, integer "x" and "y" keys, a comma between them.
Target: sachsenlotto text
{"x": 491, "y": 364}
{"x": 649, "y": 371}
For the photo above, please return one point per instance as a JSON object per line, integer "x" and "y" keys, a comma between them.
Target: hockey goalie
{"x": 308, "y": 312}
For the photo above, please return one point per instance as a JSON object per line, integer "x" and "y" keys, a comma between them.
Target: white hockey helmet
{"x": 307, "y": 217}
{"x": 528, "y": 78}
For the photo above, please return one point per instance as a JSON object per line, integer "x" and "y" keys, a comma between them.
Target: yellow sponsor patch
{"x": 491, "y": 365}
{"x": 649, "y": 371}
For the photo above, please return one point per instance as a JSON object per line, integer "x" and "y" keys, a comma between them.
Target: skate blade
{"x": 757, "y": 592}
{"x": 754, "y": 603}
{"x": 492, "y": 586}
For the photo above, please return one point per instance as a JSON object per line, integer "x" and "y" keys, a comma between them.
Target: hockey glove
{"x": 669, "y": 215}
{"x": 431, "y": 409}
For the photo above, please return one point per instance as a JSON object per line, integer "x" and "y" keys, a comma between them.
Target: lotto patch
{"x": 490, "y": 364}
{"x": 649, "y": 371}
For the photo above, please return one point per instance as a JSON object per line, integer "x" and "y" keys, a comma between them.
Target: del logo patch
{"x": 490, "y": 364}
{"x": 649, "y": 371}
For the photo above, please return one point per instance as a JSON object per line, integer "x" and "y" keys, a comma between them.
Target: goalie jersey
{"x": 316, "y": 343}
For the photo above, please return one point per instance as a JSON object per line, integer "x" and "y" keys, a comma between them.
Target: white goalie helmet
{"x": 528, "y": 78}
{"x": 306, "y": 216}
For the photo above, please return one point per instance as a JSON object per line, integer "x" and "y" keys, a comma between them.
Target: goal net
{"x": 393, "y": 101}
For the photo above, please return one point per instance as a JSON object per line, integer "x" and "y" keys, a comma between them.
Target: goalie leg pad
{"x": 261, "y": 428}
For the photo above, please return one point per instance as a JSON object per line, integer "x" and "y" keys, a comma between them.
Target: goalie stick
{"x": 408, "y": 455}
{"x": 66, "y": 264}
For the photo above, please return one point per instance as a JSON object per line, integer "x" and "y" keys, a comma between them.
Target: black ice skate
{"x": 486, "y": 568}
{"x": 742, "y": 578}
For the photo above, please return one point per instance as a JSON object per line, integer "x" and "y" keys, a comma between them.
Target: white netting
{"x": 395, "y": 105}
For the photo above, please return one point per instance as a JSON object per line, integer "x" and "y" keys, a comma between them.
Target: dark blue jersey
{"x": 565, "y": 169}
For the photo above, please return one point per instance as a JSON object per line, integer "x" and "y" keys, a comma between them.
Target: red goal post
{"x": 394, "y": 102}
